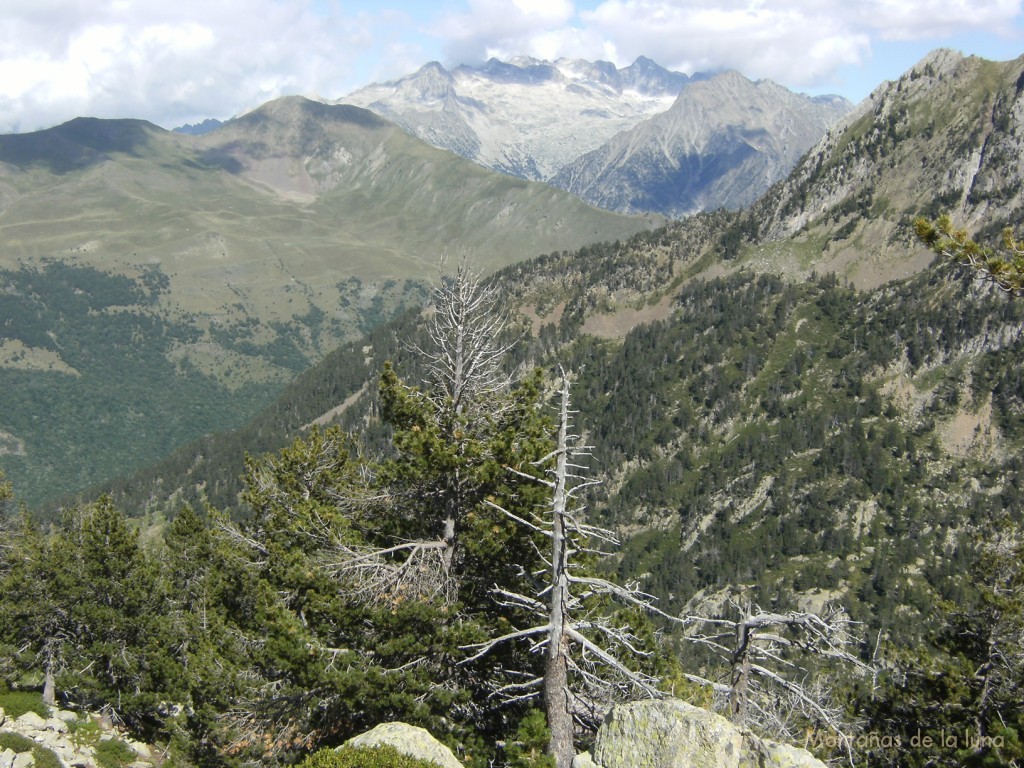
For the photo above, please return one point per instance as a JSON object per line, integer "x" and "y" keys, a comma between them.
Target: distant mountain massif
{"x": 636, "y": 139}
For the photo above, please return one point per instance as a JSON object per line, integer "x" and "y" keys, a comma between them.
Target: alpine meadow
{"x": 313, "y": 433}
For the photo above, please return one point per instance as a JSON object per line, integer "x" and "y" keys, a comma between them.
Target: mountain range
{"x": 791, "y": 406}
{"x": 183, "y": 280}
{"x": 918, "y": 146}
{"x": 636, "y": 139}
{"x": 225, "y": 263}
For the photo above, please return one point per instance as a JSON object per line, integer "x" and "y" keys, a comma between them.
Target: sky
{"x": 180, "y": 61}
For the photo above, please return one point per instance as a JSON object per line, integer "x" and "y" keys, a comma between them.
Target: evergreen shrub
{"x": 383, "y": 756}
{"x": 17, "y": 703}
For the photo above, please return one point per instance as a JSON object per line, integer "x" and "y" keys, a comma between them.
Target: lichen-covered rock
{"x": 24, "y": 760}
{"x": 409, "y": 740}
{"x": 584, "y": 760}
{"x": 674, "y": 734}
{"x": 56, "y": 725}
{"x": 666, "y": 734}
{"x": 31, "y": 721}
{"x": 764, "y": 753}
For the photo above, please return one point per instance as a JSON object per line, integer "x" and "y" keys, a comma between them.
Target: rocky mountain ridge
{"x": 943, "y": 138}
{"x": 721, "y": 144}
{"x": 636, "y": 139}
{"x": 527, "y": 117}
{"x": 237, "y": 257}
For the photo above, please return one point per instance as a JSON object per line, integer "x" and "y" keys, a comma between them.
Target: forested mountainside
{"x": 794, "y": 444}
{"x": 771, "y": 440}
{"x": 203, "y": 273}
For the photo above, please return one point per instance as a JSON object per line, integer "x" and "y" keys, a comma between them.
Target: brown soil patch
{"x": 969, "y": 434}
{"x": 536, "y": 321}
{"x": 618, "y": 324}
{"x": 336, "y": 410}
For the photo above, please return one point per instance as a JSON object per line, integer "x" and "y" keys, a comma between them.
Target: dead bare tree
{"x": 464, "y": 361}
{"x": 466, "y": 328}
{"x": 583, "y": 668}
{"x": 768, "y": 654}
{"x": 460, "y": 403}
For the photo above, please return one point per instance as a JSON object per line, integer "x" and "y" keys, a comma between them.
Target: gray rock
{"x": 763, "y": 753}
{"x": 31, "y": 721}
{"x": 66, "y": 716}
{"x": 673, "y": 734}
{"x": 7, "y": 758}
{"x": 140, "y": 749}
{"x": 584, "y": 760}
{"x": 409, "y": 740}
{"x": 666, "y": 734}
{"x": 56, "y": 725}
{"x": 3, "y": 716}
{"x": 24, "y": 760}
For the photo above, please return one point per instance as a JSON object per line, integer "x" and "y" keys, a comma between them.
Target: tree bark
{"x": 556, "y": 683}
{"x": 49, "y": 685}
{"x": 740, "y": 674}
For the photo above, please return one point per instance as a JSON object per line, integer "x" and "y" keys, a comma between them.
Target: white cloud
{"x": 506, "y": 28}
{"x": 171, "y": 62}
{"x": 798, "y": 42}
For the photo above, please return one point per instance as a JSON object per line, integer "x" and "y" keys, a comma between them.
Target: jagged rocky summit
{"x": 634, "y": 140}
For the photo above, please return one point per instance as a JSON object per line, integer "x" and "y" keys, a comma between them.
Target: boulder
{"x": 31, "y": 721}
{"x": 24, "y": 760}
{"x": 3, "y": 716}
{"x": 666, "y": 734}
{"x": 764, "y": 753}
{"x": 674, "y": 734}
{"x": 7, "y": 758}
{"x": 409, "y": 740}
{"x": 584, "y": 760}
{"x": 66, "y": 716}
{"x": 56, "y": 725}
{"x": 142, "y": 750}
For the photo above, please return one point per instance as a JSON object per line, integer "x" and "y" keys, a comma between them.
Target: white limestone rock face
{"x": 410, "y": 740}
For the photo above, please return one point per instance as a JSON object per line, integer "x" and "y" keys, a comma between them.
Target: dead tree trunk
{"x": 740, "y": 678}
{"x": 581, "y": 672}
{"x": 556, "y": 683}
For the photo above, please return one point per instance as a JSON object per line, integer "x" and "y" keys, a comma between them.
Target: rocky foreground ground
{"x": 73, "y": 738}
{"x": 646, "y": 734}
